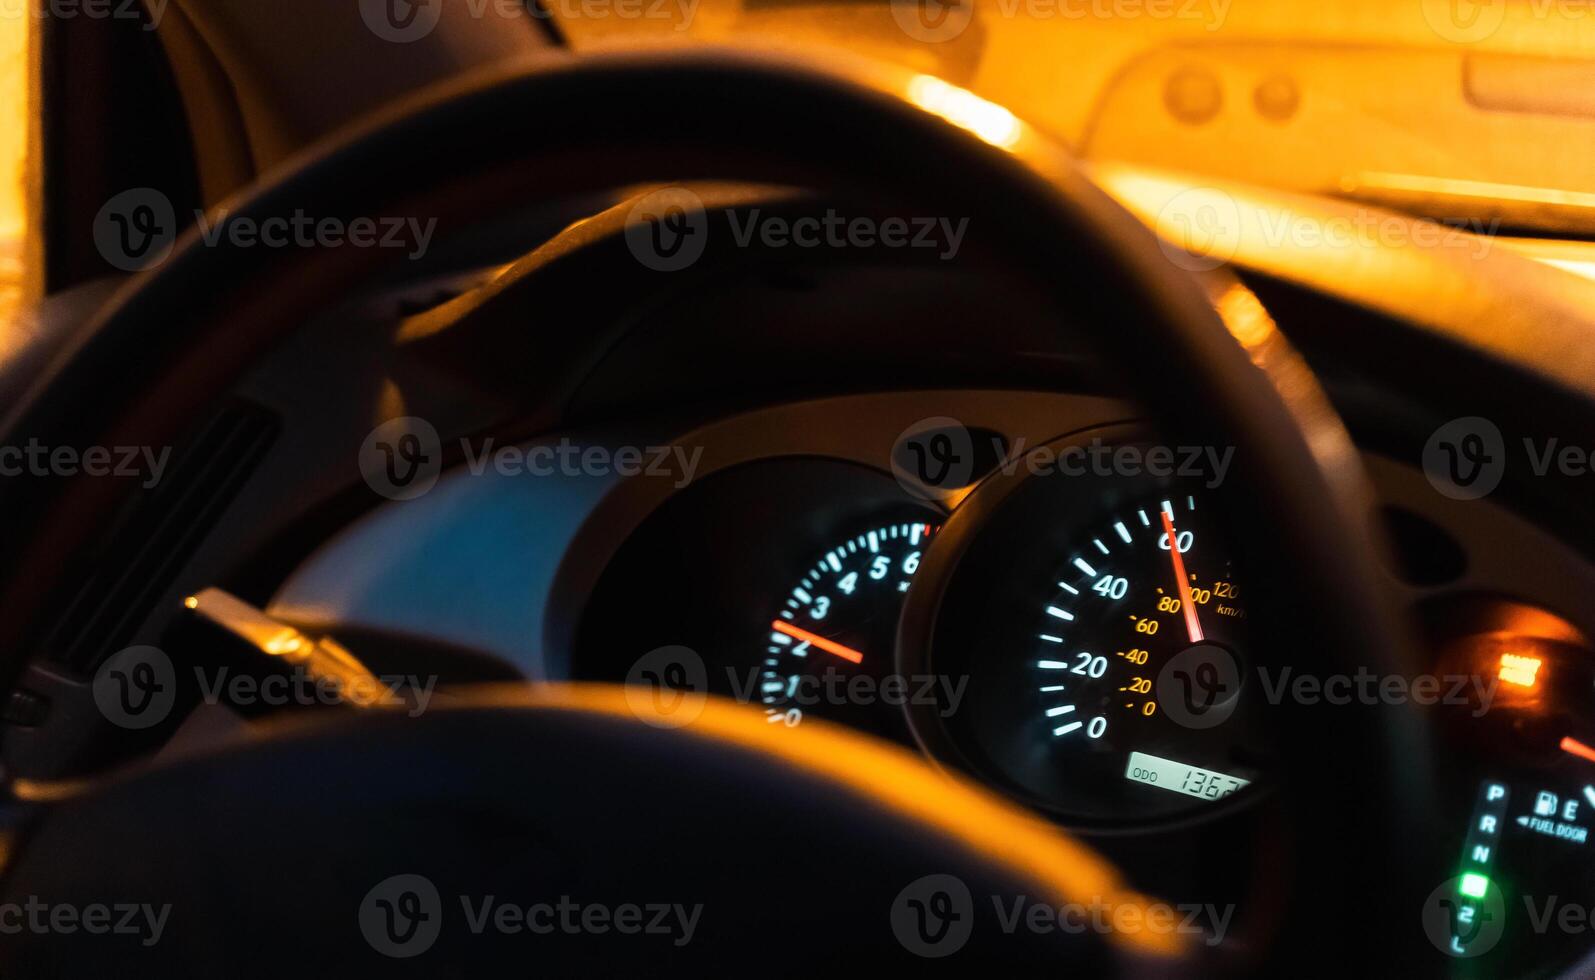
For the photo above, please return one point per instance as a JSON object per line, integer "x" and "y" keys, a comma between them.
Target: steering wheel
{"x": 275, "y": 853}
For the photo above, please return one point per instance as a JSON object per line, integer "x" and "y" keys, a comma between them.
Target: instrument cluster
{"x": 1075, "y": 634}
{"x": 1077, "y": 638}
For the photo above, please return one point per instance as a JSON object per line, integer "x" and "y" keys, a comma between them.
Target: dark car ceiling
{"x": 295, "y": 70}
{"x": 199, "y": 97}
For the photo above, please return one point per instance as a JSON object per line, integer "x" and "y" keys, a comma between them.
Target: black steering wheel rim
{"x": 210, "y": 310}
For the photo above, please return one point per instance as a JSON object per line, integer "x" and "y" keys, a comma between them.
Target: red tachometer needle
{"x": 814, "y": 640}
{"x": 1575, "y": 747}
{"x": 1193, "y": 626}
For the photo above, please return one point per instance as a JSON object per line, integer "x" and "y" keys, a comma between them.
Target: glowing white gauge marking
{"x": 1051, "y": 639}
{"x": 1589, "y": 794}
{"x": 1063, "y": 614}
{"x": 1051, "y": 687}
{"x": 773, "y": 716}
{"x": 789, "y": 656}
{"x": 1084, "y": 566}
{"x": 1066, "y": 729}
{"x": 1168, "y": 508}
{"x": 1124, "y": 532}
{"x": 1190, "y": 503}
{"x": 1055, "y": 712}
{"x": 1145, "y": 522}
{"x": 1065, "y": 586}
{"x": 1100, "y": 546}
{"x": 1052, "y": 665}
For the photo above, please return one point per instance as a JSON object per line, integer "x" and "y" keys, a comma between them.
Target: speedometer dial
{"x": 1137, "y": 657}
{"x": 1098, "y": 625}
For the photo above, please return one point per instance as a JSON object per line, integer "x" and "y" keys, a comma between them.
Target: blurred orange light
{"x": 1573, "y": 746}
{"x": 966, "y": 110}
{"x": 14, "y": 126}
{"x": 1519, "y": 669}
{"x": 1244, "y": 315}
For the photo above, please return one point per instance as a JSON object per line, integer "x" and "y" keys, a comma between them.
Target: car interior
{"x": 650, "y": 487}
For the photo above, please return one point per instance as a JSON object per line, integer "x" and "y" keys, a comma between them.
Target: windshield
{"x": 1470, "y": 110}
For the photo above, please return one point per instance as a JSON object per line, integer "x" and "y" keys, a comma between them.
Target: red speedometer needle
{"x": 1575, "y": 747}
{"x": 1193, "y": 626}
{"x": 815, "y": 640}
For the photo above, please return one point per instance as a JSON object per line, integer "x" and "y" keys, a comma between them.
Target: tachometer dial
{"x": 777, "y": 583}
{"x": 830, "y": 646}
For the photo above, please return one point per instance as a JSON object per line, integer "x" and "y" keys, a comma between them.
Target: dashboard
{"x": 605, "y": 447}
{"x": 1033, "y": 592}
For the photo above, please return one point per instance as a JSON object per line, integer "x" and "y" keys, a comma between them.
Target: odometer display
{"x": 1178, "y": 777}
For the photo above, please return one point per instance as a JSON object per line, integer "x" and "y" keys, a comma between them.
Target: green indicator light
{"x": 1474, "y": 885}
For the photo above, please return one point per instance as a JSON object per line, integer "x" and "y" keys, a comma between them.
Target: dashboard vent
{"x": 157, "y": 535}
